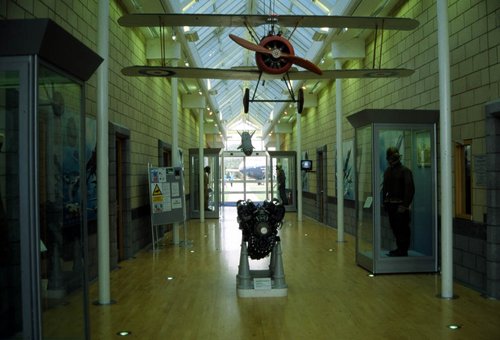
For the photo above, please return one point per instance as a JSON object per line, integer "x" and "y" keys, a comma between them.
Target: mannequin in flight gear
{"x": 398, "y": 190}
{"x": 281, "y": 178}
{"x": 206, "y": 189}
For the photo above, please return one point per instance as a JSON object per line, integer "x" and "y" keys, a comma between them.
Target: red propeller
{"x": 275, "y": 54}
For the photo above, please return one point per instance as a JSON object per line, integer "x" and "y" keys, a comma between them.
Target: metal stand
{"x": 246, "y": 280}
{"x": 185, "y": 243}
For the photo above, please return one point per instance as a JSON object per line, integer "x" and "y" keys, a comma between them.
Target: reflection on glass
{"x": 423, "y": 213}
{"x": 60, "y": 197}
{"x": 10, "y": 256}
{"x": 210, "y": 182}
{"x": 244, "y": 178}
{"x": 282, "y": 179}
{"x": 414, "y": 146}
{"x": 364, "y": 194}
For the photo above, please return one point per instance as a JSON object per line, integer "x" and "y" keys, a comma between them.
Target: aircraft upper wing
{"x": 254, "y": 73}
{"x": 235, "y": 20}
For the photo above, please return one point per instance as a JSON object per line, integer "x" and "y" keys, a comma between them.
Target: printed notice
{"x": 368, "y": 202}
{"x": 175, "y": 189}
{"x": 262, "y": 283}
{"x": 176, "y": 203}
{"x": 166, "y": 189}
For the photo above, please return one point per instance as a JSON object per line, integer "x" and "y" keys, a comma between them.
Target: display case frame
{"x": 414, "y": 132}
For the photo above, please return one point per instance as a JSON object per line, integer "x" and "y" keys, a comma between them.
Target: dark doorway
{"x": 321, "y": 184}
{"x": 120, "y": 148}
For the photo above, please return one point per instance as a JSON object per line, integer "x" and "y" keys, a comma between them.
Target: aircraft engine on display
{"x": 259, "y": 225}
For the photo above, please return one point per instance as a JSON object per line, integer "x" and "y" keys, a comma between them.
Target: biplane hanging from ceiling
{"x": 274, "y": 53}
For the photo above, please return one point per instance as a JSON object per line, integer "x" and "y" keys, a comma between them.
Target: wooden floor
{"x": 329, "y": 296}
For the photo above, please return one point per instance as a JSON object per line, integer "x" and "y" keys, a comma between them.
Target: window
{"x": 463, "y": 180}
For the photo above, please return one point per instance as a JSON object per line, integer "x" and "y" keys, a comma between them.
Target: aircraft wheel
{"x": 246, "y": 100}
{"x": 300, "y": 100}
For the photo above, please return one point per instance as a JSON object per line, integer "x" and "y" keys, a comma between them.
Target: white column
{"x": 175, "y": 139}
{"x": 299, "y": 172}
{"x": 340, "y": 157}
{"x": 278, "y": 141}
{"x": 102, "y": 156}
{"x": 445, "y": 148}
{"x": 201, "y": 164}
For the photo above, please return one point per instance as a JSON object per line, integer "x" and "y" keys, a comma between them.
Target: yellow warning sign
{"x": 157, "y": 191}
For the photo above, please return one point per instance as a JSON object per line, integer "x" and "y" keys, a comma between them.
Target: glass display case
{"x": 384, "y": 244}
{"x": 212, "y": 182}
{"x": 283, "y": 178}
{"x": 43, "y": 181}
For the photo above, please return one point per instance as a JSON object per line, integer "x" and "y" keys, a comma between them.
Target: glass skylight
{"x": 214, "y": 49}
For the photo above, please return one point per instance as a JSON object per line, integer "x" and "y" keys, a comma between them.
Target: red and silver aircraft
{"x": 274, "y": 54}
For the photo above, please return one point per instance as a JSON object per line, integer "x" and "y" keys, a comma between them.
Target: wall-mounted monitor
{"x": 306, "y": 165}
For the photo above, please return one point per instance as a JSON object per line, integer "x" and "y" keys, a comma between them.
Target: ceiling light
{"x": 136, "y": 5}
{"x": 192, "y": 36}
{"x": 319, "y": 36}
{"x": 321, "y": 6}
{"x": 185, "y": 8}
{"x": 123, "y": 333}
{"x": 186, "y": 64}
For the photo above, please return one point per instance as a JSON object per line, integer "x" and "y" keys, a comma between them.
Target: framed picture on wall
{"x": 348, "y": 169}
{"x": 423, "y": 141}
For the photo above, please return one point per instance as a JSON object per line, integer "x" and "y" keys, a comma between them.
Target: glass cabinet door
{"x": 283, "y": 178}
{"x": 11, "y": 303}
{"x": 212, "y": 183}
{"x": 61, "y": 192}
{"x": 364, "y": 197}
{"x": 405, "y": 238}
{"x": 42, "y": 200}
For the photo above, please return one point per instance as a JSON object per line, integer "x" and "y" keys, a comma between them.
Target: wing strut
{"x": 288, "y": 83}
{"x": 380, "y": 48}
{"x": 257, "y": 86}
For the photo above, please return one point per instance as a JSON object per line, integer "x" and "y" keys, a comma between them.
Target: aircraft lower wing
{"x": 253, "y": 74}
{"x": 237, "y": 20}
